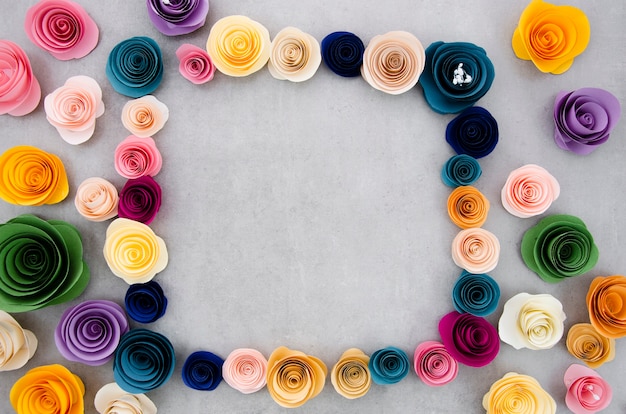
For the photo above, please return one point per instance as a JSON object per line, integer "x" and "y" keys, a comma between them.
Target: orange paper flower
{"x": 606, "y": 302}
{"x": 467, "y": 207}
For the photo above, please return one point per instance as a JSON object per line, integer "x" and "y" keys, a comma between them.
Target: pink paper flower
{"x": 245, "y": 370}
{"x": 587, "y": 392}
{"x": 20, "y": 92}
{"x": 136, "y": 157}
{"x": 434, "y": 364}
{"x": 195, "y": 64}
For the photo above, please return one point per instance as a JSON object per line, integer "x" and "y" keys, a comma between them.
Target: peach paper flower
{"x": 195, "y": 64}
{"x": 519, "y": 394}
{"x": 20, "y": 92}
{"x": 144, "y": 116}
{"x": 17, "y": 345}
{"x": 467, "y": 207}
{"x": 111, "y": 399}
{"x": 476, "y": 250}
{"x": 529, "y": 191}
{"x": 351, "y": 375}
{"x": 245, "y": 370}
{"x": 294, "y": 55}
{"x": 96, "y": 199}
{"x": 586, "y": 344}
{"x": 606, "y": 302}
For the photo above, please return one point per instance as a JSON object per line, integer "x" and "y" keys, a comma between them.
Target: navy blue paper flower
{"x": 135, "y": 66}
{"x": 389, "y": 365}
{"x": 342, "y": 52}
{"x": 145, "y": 302}
{"x": 461, "y": 170}
{"x": 203, "y": 371}
{"x": 456, "y": 76}
{"x": 477, "y": 294}
{"x": 473, "y": 132}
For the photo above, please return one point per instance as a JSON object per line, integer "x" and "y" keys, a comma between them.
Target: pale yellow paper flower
{"x": 294, "y": 55}
{"x": 351, "y": 376}
{"x": 519, "y": 394}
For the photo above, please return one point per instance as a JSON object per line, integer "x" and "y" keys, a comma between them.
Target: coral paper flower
{"x": 19, "y": 89}
{"x": 136, "y": 157}
{"x": 518, "y": 393}
{"x": 529, "y": 191}
{"x": 434, "y": 364}
{"x": 471, "y": 340}
{"x": 467, "y": 207}
{"x": 173, "y": 18}
{"x": 476, "y": 250}
{"x": 202, "y": 371}
{"x": 96, "y": 199}
{"x": 473, "y": 132}
{"x": 195, "y": 64}
{"x": 140, "y": 199}
{"x": 111, "y": 399}
{"x": 145, "y": 302}
{"x": 606, "y": 302}
{"x": 135, "y": 66}
{"x": 350, "y": 376}
{"x": 294, "y": 55}
{"x": 245, "y": 370}
{"x": 586, "y": 344}
{"x": 587, "y": 392}
{"x": 61, "y": 27}
{"x": 551, "y": 36}
{"x": 342, "y": 52}
{"x": 18, "y": 345}
{"x": 144, "y": 116}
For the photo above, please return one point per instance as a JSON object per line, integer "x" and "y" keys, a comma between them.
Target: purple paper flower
{"x": 140, "y": 199}
{"x": 471, "y": 340}
{"x": 584, "y": 119}
{"x": 177, "y": 17}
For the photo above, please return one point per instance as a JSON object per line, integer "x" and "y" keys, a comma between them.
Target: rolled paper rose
{"x": 136, "y": 157}
{"x": 606, "y": 302}
{"x": 529, "y": 190}
{"x": 393, "y": 62}
{"x": 238, "y": 45}
{"x": 245, "y": 370}
{"x": 96, "y": 199}
{"x": 587, "y": 392}
{"x": 551, "y": 36}
{"x": 473, "y": 132}
{"x": 471, "y": 340}
{"x": 585, "y": 343}
{"x": 460, "y": 170}
{"x": 476, "y": 250}
{"x": 173, "y": 18}
{"x": 202, "y": 371}
{"x": 135, "y": 67}
{"x": 42, "y": 263}
{"x": 558, "y": 247}
{"x": 49, "y": 389}
{"x": 350, "y": 376}
{"x": 294, "y": 55}
{"x": 90, "y": 331}
{"x": 18, "y": 345}
{"x": 145, "y": 302}
{"x": 293, "y": 377}
{"x": 584, "y": 119}
{"x": 467, "y": 207}
{"x": 518, "y": 393}
{"x": 133, "y": 251}
{"x": 140, "y": 199}
{"x": 20, "y": 92}
{"x": 195, "y": 64}
{"x": 433, "y": 364}
{"x": 389, "y": 365}
{"x": 342, "y": 52}
{"x": 145, "y": 116}
{"x": 532, "y": 321}
{"x": 30, "y": 176}
{"x": 456, "y": 76}
{"x": 62, "y": 28}
{"x": 144, "y": 361}
{"x": 111, "y": 399}
{"x": 477, "y": 294}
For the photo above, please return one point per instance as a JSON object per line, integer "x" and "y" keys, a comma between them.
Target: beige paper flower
{"x": 351, "y": 376}
{"x": 111, "y": 399}
{"x": 96, "y": 199}
{"x": 519, "y": 394}
{"x": 17, "y": 345}
{"x": 586, "y": 344}
{"x": 144, "y": 116}
{"x": 294, "y": 55}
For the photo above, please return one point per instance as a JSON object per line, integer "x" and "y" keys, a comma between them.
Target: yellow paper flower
{"x": 586, "y": 344}
{"x": 519, "y": 394}
{"x": 551, "y": 36}
{"x": 467, "y": 207}
{"x": 294, "y": 55}
{"x": 351, "y": 376}
{"x": 17, "y": 345}
{"x": 32, "y": 177}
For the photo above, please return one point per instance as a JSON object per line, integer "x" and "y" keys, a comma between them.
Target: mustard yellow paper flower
{"x": 586, "y": 344}
{"x": 351, "y": 376}
{"x": 519, "y": 394}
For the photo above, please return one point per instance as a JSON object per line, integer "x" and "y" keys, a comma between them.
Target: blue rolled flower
{"x": 456, "y": 76}
{"x": 202, "y": 371}
{"x": 473, "y": 132}
{"x": 389, "y": 365}
{"x": 342, "y": 52}
{"x": 461, "y": 170}
{"x": 477, "y": 294}
{"x": 144, "y": 360}
{"x": 135, "y": 67}
{"x": 145, "y": 302}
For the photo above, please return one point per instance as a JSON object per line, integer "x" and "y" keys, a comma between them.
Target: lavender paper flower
{"x": 177, "y": 17}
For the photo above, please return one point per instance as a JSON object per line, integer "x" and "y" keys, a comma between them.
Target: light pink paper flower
{"x": 529, "y": 191}
{"x": 145, "y": 116}
{"x": 244, "y": 370}
{"x": 20, "y": 92}
{"x": 587, "y": 392}
{"x": 476, "y": 250}
{"x": 136, "y": 157}
{"x": 96, "y": 199}
{"x": 195, "y": 64}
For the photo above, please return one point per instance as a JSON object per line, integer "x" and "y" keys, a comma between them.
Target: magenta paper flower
{"x": 471, "y": 340}
{"x": 140, "y": 200}
{"x": 195, "y": 64}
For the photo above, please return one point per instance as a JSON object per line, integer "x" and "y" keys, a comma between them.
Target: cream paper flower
{"x": 17, "y": 345}
{"x": 111, "y": 399}
{"x": 294, "y": 55}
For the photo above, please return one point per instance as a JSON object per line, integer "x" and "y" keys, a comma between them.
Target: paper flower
{"x": 467, "y": 207}
{"x": 244, "y": 370}
{"x": 144, "y": 361}
{"x": 111, "y": 399}
{"x": 144, "y": 116}
{"x": 30, "y": 176}
{"x": 393, "y": 62}
{"x": 433, "y": 364}
{"x": 195, "y": 64}
{"x": 140, "y": 199}
{"x": 90, "y": 331}
{"x": 586, "y": 344}
{"x": 238, "y": 45}
{"x": 342, "y": 52}
{"x": 518, "y": 392}
{"x": 606, "y": 302}
{"x": 42, "y": 263}
{"x": 456, "y": 76}
{"x": 584, "y": 119}
{"x": 350, "y": 376}
{"x": 460, "y": 170}
{"x": 587, "y": 392}
{"x": 145, "y": 302}
{"x": 529, "y": 190}
{"x": 389, "y": 365}
{"x": 62, "y": 28}
{"x": 96, "y": 199}
{"x": 294, "y": 55}
{"x": 48, "y": 388}
{"x": 476, "y": 250}
{"x": 133, "y": 252}
{"x": 19, "y": 89}
{"x": 135, "y": 67}
{"x": 293, "y": 377}
{"x": 473, "y": 132}
{"x": 18, "y": 345}
{"x": 136, "y": 157}
{"x": 558, "y": 247}
{"x": 202, "y": 371}
{"x": 471, "y": 340}
{"x": 551, "y": 36}
{"x": 173, "y": 18}
{"x": 475, "y": 294}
